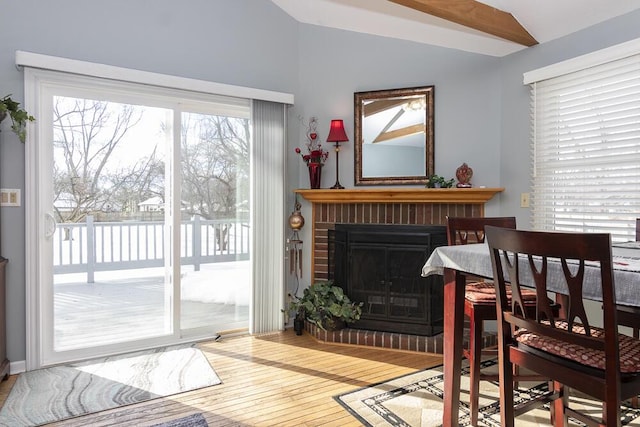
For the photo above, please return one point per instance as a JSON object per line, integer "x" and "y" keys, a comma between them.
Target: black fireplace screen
{"x": 380, "y": 265}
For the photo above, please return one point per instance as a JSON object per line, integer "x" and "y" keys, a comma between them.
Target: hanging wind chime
{"x": 296, "y": 222}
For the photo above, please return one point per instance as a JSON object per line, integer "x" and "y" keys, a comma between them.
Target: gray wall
{"x": 481, "y": 106}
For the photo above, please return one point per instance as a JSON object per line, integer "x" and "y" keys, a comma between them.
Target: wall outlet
{"x": 524, "y": 200}
{"x": 9, "y": 197}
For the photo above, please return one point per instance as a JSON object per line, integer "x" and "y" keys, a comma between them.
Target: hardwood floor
{"x": 277, "y": 379}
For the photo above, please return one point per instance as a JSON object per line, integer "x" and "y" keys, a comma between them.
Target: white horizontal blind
{"x": 586, "y": 150}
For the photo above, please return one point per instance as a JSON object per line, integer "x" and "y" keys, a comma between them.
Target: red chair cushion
{"x": 629, "y": 348}
{"x": 485, "y": 293}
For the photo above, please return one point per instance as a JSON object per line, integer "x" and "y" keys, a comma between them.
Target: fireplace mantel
{"x": 400, "y": 195}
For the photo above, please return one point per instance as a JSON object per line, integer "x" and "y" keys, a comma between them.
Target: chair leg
{"x": 516, "y": 369}
{"x": 506, "y": 388}
{"x": 475, "y": 349}
{"x": 634, "y": 400}
{"x": 559, "y": 417}
{"x": 611, "y": 413}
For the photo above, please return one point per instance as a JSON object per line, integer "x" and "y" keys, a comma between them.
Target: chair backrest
{"x": 550, "y": 259}
{"x": 465, "y": 230}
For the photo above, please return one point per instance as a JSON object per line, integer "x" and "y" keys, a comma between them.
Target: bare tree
{"x": 86, "y": 135}
{"x": 215, "y": 167}
{"x": 89, "y": 179}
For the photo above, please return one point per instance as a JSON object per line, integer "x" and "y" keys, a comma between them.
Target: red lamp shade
{"x": 336, "y": 132}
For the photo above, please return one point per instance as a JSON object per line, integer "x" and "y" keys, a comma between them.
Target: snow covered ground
{"x": 224, "y": 282}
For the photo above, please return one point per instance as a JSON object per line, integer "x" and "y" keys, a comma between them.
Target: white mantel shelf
{"x": 400, "y": 195}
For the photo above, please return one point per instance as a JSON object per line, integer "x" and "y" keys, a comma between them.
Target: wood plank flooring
{"x": 277, "y": 379}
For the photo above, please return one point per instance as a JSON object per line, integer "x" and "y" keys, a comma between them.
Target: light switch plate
{"x": 524, "y": 200}
{"x": 9, "y": 197}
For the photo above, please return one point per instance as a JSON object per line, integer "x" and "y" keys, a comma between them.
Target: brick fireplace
{"x": 404, "y": 206}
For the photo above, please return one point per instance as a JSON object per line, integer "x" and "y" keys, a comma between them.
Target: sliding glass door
{"x": 143, "y": 199}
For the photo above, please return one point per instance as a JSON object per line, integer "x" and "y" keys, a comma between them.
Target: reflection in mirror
{"x": 394, "y": 136}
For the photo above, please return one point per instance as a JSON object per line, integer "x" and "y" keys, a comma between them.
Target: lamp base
{"x": 337, "y": 186}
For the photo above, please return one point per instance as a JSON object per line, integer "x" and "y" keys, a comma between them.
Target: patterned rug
{"x": 60, "y": 392}
{"x": 416, "y": 400}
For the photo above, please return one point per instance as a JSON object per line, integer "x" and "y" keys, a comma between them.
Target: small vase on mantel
{"x": 315, "y": 174}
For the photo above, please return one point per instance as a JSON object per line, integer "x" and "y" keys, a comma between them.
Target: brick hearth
{"x": 390, "y": 340}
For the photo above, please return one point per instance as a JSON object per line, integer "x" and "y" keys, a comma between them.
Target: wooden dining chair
{"x": 480, "y": 300}
{"x": 598, "y": 362}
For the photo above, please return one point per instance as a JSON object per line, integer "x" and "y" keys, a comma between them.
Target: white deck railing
{"x": 106, "y": 246}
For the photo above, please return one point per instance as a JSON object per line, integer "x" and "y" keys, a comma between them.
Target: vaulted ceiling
{"x": 490, "y": 27}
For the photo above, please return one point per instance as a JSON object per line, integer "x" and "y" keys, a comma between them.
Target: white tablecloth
{"x": 475, "y": 259}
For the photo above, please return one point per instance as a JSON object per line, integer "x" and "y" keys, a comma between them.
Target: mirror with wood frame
{"x": 393, "y": 136}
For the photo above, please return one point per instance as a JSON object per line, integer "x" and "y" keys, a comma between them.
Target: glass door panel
{"x": 215, "y": 259}
{"x": 110, "y": 270}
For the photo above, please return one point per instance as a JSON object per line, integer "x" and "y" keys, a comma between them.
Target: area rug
{"x": 60, "y": 392}
{"x": 415, "y": 400}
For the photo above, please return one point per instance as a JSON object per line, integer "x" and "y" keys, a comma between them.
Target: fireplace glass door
{"x": 380, "y": 266}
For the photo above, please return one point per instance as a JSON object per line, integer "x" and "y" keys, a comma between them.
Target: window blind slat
{"x": 586, "y": 150}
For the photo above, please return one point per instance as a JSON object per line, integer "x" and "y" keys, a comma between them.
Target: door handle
{"x": 50, "y": 225}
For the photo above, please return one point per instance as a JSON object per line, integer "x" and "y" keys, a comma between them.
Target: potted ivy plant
{"x": 326, "y": 306}
{"x": 19, "y": 117}
{"x": 296, "y": 309}
{"x": 437, "y": 181}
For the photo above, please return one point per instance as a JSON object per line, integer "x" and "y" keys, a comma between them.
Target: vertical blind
{"x": 586, "y": 150}
{"x": 268, "y": 215}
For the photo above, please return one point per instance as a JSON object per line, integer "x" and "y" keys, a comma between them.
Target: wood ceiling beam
{"x": 474, "y": 14}
{"x": 382, "y": 105}
{"x": 399, "y": 133}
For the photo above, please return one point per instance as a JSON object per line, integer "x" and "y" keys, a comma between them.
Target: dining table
{"x": 456, "y": 263}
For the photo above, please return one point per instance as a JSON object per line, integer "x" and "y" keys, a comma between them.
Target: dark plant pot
{"x": 298, "y": 326}
{"x": 334, "y": 324}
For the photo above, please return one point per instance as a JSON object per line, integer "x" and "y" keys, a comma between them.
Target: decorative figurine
{"x": 464, "y": 174}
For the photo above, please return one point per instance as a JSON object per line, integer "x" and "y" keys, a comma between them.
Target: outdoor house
{"x": 183, "y": 233}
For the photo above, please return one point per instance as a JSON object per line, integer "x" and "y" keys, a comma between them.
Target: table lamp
{"x": 337, "y": 135}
